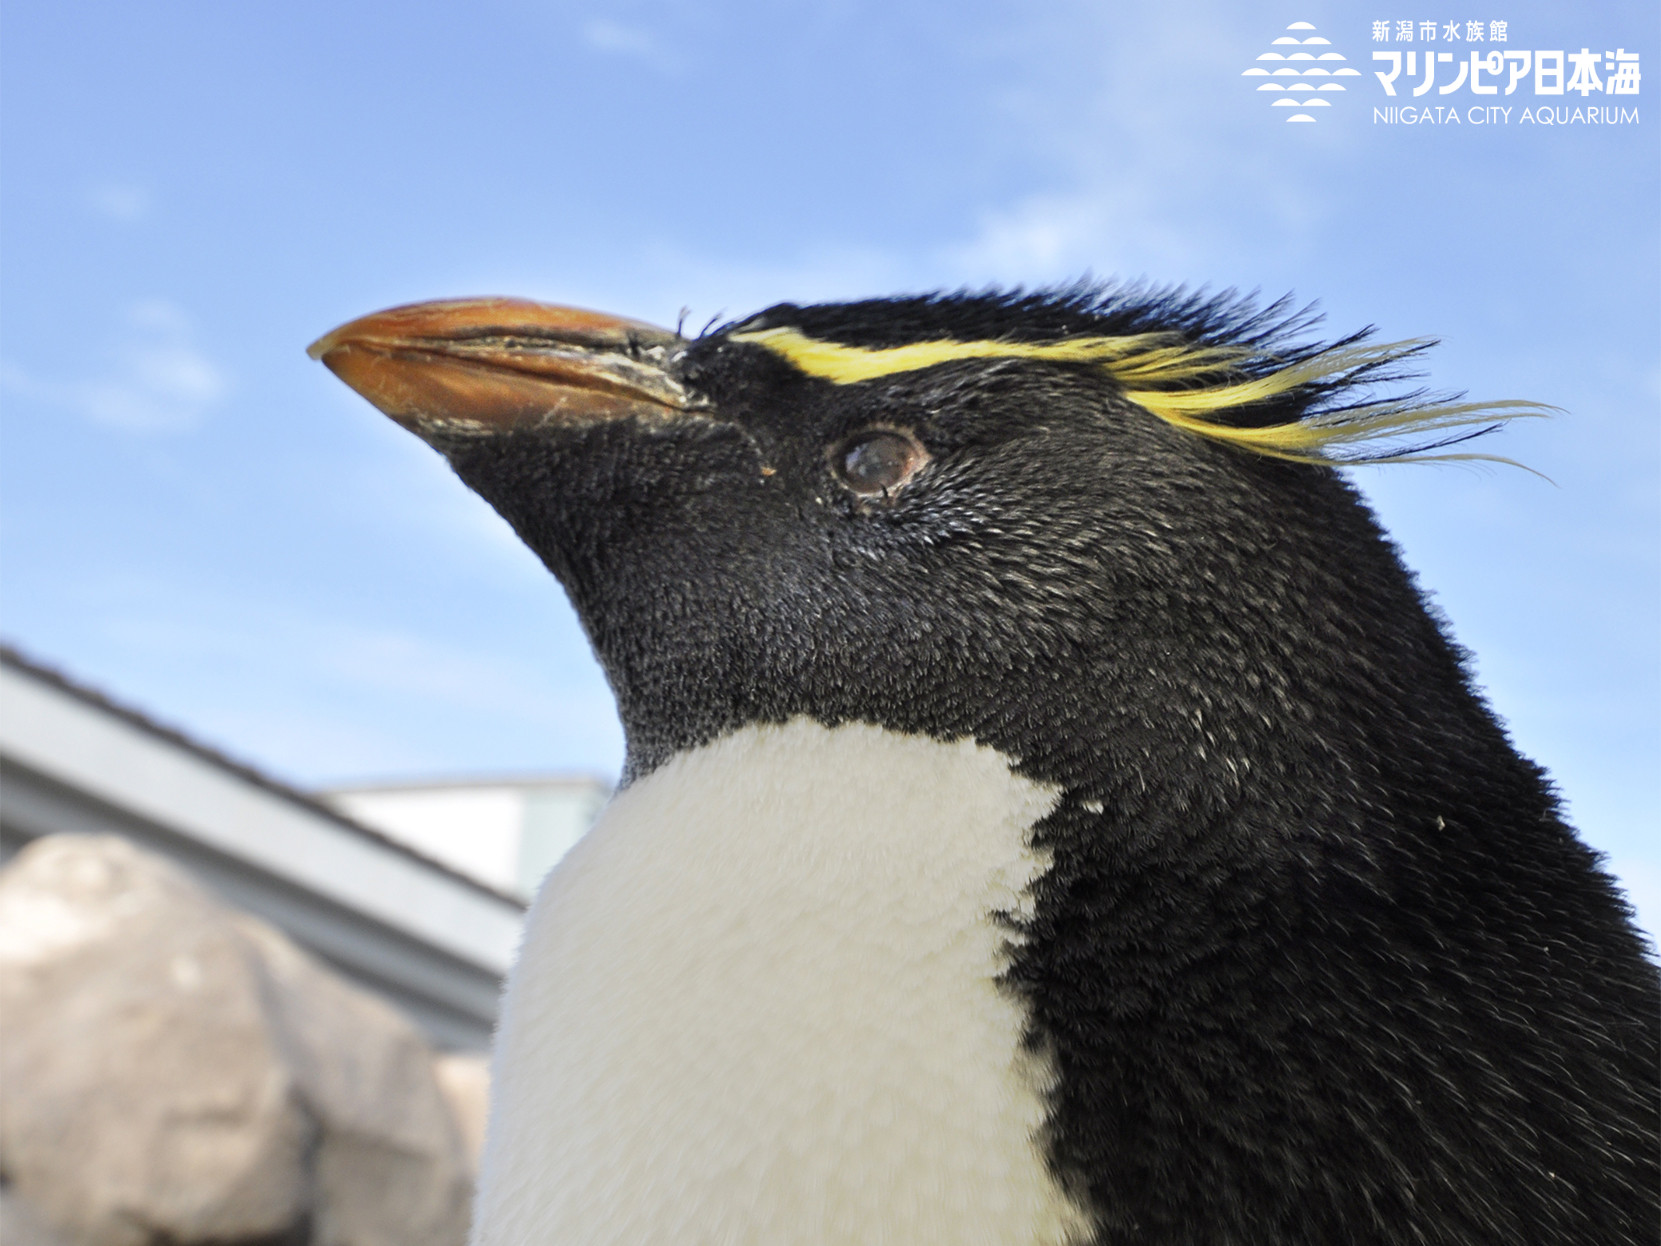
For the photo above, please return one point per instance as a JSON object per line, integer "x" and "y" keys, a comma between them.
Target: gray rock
{"x": 465, "y": 1081}
{"x": 21, "y": 1226}
{"x": 177, "y": 1072}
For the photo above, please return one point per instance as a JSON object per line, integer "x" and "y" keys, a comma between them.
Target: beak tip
{"x": 323, "y": 345}
{"x": 493, "y": 364}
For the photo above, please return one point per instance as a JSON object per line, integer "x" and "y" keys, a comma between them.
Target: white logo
{"x": 1301, "y": 79}
{"x": 1417, "y": 80}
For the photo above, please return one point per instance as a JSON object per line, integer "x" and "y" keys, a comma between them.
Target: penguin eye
{"x": 878, "y": 460}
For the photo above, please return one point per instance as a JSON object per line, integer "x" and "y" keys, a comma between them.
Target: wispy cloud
{"x": 118, "y": 201}
{"x": 1134, "y": 188}
{"x": 1048, "y": 237}
{"x": 727, "y": 286}
{"x": 1126, "y": 189}
{"x": 157, "y": 379}
{"x": 324, "y": 698}
{"x": 625, "y": 39}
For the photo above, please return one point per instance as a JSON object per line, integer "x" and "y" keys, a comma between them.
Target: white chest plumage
{"x": 757, "y": 1004}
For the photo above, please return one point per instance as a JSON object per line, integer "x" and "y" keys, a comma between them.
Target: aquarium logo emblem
{"x": 1301, "y": 73}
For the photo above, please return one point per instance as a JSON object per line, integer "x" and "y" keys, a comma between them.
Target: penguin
{"x": 1052, "y": 814}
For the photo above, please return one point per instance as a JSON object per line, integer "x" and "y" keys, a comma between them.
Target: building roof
{"x": 12, "y": 657}
{"x": 429, "y": 938}
{"x": 563, "y": 780}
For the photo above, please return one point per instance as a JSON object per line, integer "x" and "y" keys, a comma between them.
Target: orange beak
{"x": 487, "y": 365}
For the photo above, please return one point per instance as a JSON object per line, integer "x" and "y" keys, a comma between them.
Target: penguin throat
{"x": 759, "y": 1002}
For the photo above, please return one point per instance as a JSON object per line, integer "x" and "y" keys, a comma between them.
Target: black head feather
{"x": 1213, "y": 364}
{"x": 1078, "y": 310}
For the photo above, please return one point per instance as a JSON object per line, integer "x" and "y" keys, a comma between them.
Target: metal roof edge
{"x": 12, "y": 657}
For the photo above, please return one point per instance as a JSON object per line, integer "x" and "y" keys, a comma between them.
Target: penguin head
{"x": 897, "y": 510}
{"x": 1314, "y": 954}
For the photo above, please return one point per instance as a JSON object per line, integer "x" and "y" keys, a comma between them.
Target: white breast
{"x": 757, "y": 1004}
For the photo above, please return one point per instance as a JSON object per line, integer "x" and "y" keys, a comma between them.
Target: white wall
{"x": 507, "y": 834}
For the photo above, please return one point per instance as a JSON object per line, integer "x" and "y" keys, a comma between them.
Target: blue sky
{"x": 197, "y": 519}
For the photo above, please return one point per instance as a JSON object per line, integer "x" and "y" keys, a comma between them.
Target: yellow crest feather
{"x": 1183, "y": 382}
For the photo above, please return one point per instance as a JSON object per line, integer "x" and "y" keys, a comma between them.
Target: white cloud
{"x": 631, "y": 41}
{"x": 119, "y": 202}
{"x": 158, "y": 381}
{"x": 377, "y": 658}
{"x": 1138, "y": 169}
{"x": 1060, "y": 237}
{"x": 1133, "y": 175}
{"x": 324, "y": 698}
{"x": 728, "y": 288}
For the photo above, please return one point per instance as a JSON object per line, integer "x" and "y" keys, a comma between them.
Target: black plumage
{"x": 1318, "y": 959}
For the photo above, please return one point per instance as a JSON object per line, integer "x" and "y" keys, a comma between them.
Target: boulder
{"x": 465, "y": 1082}
{"x": 20, "y": 1225}
{"x": 177, "y": 1072}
